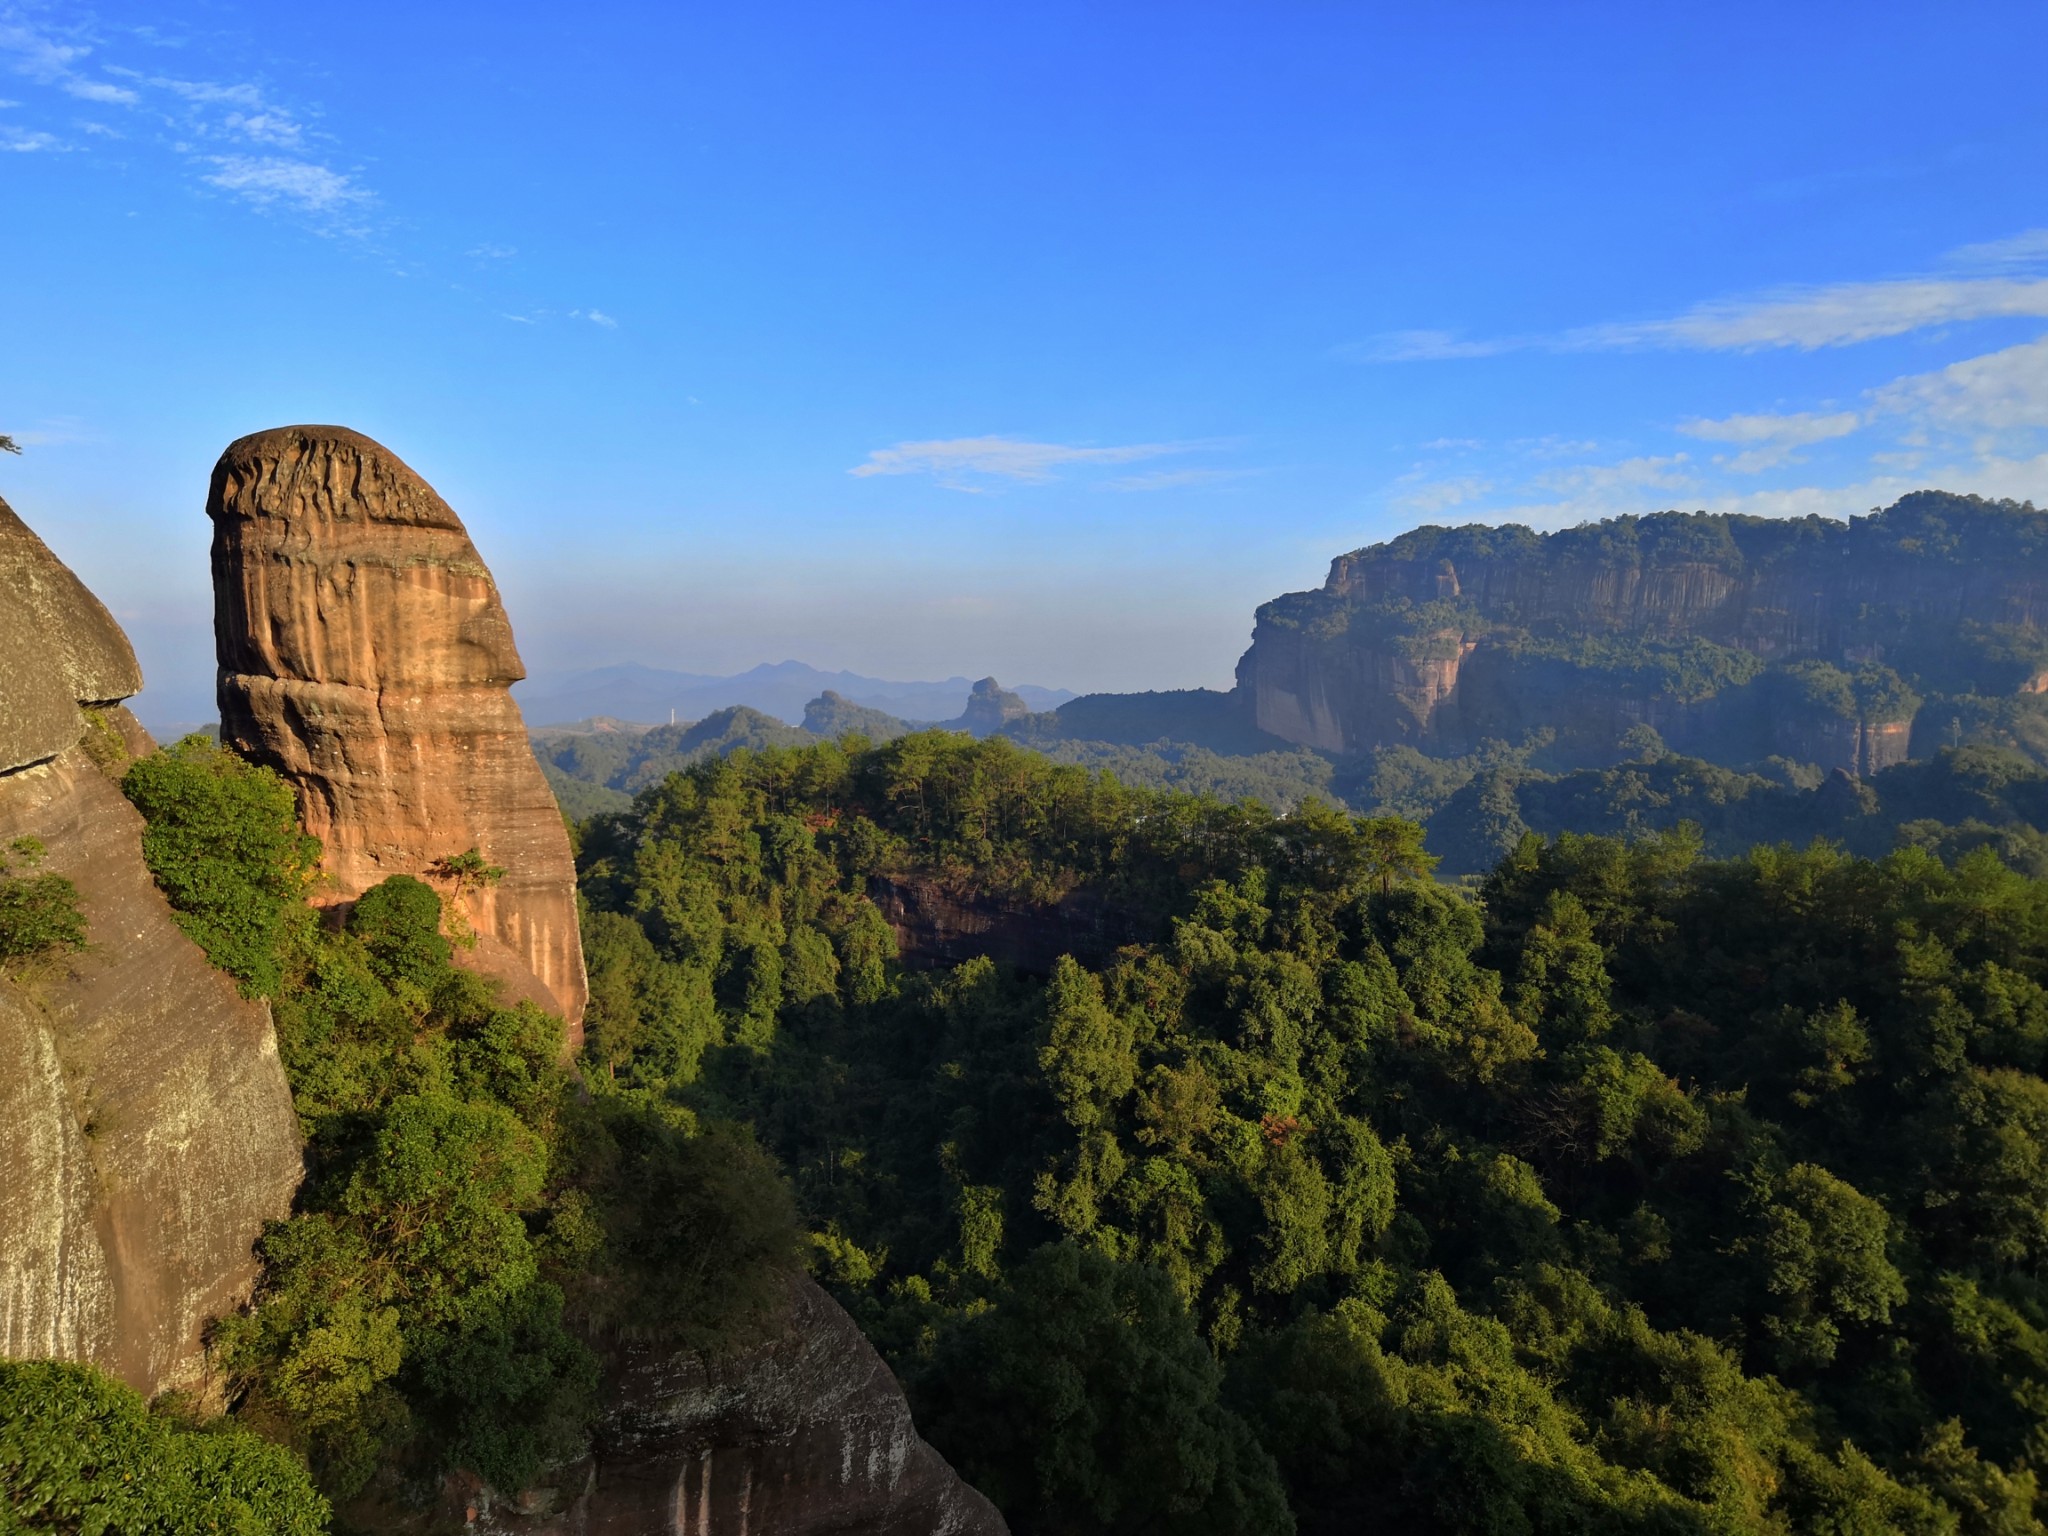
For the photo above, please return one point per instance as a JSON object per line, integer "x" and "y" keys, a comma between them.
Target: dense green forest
{"x": 1632, "y": 1191}
{"x": 1624, "y": 1189}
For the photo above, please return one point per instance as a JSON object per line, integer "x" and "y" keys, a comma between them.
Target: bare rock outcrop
{"x": 146, "y": 1129}
{"x": 807, "y": 1435}
{"x": 65, "y": 647}
{"x": 364, "y": 655}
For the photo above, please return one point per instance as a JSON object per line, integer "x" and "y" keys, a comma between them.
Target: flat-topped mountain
{"x": 1735, "y": 638}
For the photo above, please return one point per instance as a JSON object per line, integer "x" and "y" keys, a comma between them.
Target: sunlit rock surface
{"x": 364, "y": 655}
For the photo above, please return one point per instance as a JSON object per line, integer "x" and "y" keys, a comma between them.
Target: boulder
{"x": 365, "y": 656}
{"x": 805, "y": 1435}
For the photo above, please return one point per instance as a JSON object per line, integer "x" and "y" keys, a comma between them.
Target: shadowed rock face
{"x": 58, "y": 647}
{"x": 807, "y": 1435}
{"x": 364, "y": 655}
{"x": 146, "y": 1130}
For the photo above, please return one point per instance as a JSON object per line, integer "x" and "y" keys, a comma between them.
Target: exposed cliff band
{"x": 146, "y": 1129}
{"x": 365, "y": 656}
{"x": 1734, "y": 637}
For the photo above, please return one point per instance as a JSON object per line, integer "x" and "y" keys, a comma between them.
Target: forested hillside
{"x": 1634, "y": 1191}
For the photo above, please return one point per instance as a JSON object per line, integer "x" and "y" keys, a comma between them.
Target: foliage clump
{"x": 40, "y": 919}
{"x": 79, "y": 1452}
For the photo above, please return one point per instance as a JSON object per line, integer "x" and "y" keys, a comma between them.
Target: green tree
{"x": 1083, "y": 1401}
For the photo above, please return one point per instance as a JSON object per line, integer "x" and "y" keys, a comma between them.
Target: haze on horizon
{"x": 919, "y": 340}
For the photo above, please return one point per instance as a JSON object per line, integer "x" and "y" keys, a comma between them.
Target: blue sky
{"x": 1044, "y": 340}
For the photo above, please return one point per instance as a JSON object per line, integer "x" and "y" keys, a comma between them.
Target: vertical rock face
{"x": 807, "y": 1435}
{"x": 365, "y": 656}
{"x": 146, "y": 1129}
{"x": 1447, "y": 637}
{"x": 59, "y": 647}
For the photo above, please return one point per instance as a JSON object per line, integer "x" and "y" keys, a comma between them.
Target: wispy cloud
{"x": 199, "y": 122}
{"x": 595, "y": 317}
{"x": 2027, "y": 249}
{"x": 1438, "y": 496}
{"x": 22, "y": 141}
{"x": 1979, "y": 425}
{"x": 2001, "y": 280}
{"x": 1428, "y": 347}
{"x": 952, "y": 461}
{"x": 1767, "y": 441}
{"x": 102, "y": 91}
{"x": 268, "y": 179}
{"x": 1807, "y": 319}
{"x": 1997, "y": 393}
{"x": 1175, "y": 479}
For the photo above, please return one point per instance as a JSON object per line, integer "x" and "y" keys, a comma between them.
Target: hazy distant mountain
{"x": 782, "y": 689}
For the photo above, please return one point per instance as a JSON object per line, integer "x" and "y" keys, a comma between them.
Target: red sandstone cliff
{"x": 146, "y": 1129}
{"x": 365, "y": 656}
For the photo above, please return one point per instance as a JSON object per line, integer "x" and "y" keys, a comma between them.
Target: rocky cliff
{"x": 364, "y": 655}
{"x": 1734, "y": 637}
{"x": 146, "y": 1130}
{"x": 807, "y": 1435}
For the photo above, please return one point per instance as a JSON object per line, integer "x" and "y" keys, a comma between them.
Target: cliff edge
{"x": 1735, "y": 638}
{"x": 146, "y": 1129}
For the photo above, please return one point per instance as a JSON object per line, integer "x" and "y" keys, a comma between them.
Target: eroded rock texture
{"x": 804, "y": 1436}
{"x": 59, "y": 647}
{"x": 364, "y": 655}
{"x": 146, "y": 1129}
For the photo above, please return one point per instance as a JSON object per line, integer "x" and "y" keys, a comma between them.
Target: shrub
{"x": 39, "y": 914}
{"x": 81, "y": 1453}
{"x": 224, "y": 844}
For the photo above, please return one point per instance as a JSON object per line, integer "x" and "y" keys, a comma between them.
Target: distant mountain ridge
{"x": 647, "y": 695}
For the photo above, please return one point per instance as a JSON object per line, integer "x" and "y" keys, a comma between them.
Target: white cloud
{"x": 102, "y": 91}
{"x": 1768, "y": 441}
{"x": 269, "y": 127}
{"x": 269, "y": 179}
{"x": 2029, "y": 248}
{"x": 599, "y": 317}
{"x": 1442, "y": 495}
{"x": 1796, "y": 430}
{"x": 1998, "y": 392}
{"x": 1008, "y": 458}
{"x": 21, "y": 141}
{"x": 1805, "y": 318}
{"x": 210, "y": 93}
{"x": 37, "y": 56}
{"x": 493, "y": 252}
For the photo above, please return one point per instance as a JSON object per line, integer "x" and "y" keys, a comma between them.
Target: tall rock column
{"x": 364, "y": 655}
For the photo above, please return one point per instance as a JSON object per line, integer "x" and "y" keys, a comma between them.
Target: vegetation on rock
{"x": 471, "y": 1229}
